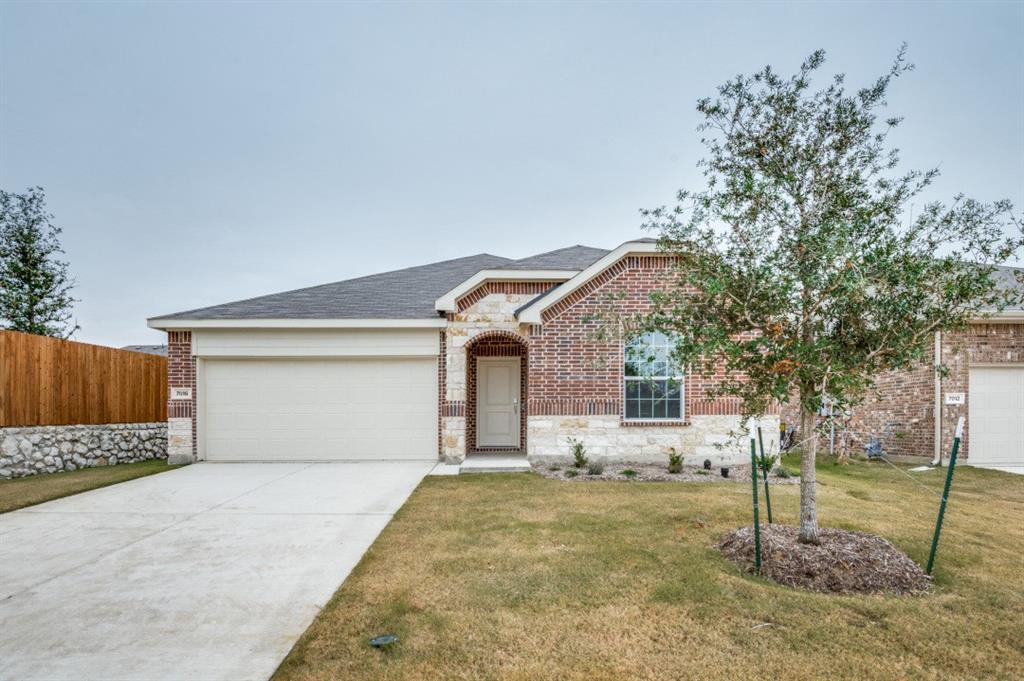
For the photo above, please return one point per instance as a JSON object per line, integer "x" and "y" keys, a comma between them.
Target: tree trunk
{"x": 808, "y": 501}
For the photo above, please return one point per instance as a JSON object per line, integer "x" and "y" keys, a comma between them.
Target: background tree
{"x": 35, "y": 288}
{"x": 800, "y": 270}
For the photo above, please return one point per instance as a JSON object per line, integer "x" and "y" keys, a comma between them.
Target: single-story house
{"x": 914, "y": 413}
{"x": 448, "y": 360}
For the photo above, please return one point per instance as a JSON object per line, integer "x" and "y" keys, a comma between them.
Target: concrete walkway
{"x": 207, "y": 572}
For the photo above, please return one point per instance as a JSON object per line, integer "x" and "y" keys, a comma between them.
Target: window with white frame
{"x": 653, "y": 383}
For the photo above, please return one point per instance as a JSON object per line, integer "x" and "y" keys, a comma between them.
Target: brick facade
{"x": 571, "y": 381}
{"x": 577, "y": 379}
{"x": 181, "y": 414}
{"x": 903, "y": 402}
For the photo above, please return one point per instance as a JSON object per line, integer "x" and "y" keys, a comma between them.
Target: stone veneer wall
{"x": 488, "y": 309}
{"x": 49, "y": 449}
{"x": 608, "y": 438}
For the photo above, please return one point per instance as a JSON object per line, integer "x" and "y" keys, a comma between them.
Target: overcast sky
{"x": 196, "y": 153}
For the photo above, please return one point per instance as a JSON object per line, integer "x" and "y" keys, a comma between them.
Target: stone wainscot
{"x": 50, "y": 449}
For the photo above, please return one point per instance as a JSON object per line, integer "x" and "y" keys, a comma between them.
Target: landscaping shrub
{"x": 766, "y": 462}
{"x": 630, "y": 473}
{"x": 675, "y": 461}
{"x": 579, "y": 453}
{"x": 571, "y": 473}
{"x": 595, "y": 468}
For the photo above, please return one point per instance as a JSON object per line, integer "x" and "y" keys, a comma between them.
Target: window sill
{"x": 653, "y": 423}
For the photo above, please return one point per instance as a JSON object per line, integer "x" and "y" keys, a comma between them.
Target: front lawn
{"x": 36, "y": 489}
{"x": 519, "y": 577}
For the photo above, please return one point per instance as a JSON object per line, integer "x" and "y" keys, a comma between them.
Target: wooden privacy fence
{"x": 48, "y": 382}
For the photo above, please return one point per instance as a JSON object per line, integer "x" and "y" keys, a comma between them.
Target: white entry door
{"x": 497, "y": 402}
{"x": 996, "y": 411}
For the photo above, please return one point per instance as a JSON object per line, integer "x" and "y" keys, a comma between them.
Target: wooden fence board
{"x": 48, "y": 381}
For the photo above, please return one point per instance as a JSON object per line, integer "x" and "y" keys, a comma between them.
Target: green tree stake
{"x": 945, "y": 493}
{"x": 767, "y": 496}
{"x": 757, "y": 522}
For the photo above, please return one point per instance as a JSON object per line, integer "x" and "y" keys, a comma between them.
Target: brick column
{"x": 181, "y": 413}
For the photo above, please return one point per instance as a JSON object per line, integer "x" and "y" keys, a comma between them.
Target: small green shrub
{"x": 630, "y": 473}
{"x": 675, "y": 461}
{"x": 701, "y": 471}
{"x": 766, "y": 462}
{"x": 783, "y": 473}
{"x": 571, "y": 473}
{"x": 595, "y": 468}
{"x": 579, "y": 452}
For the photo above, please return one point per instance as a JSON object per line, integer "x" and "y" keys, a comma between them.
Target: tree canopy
{"x": 802, "y": 269}
{"x": 35, "y": 286}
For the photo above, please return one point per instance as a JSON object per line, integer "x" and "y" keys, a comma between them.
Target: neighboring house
{"x": 916, "y": 411}
{"x": 475, "y": 355}
{"x": 148, "y": 349}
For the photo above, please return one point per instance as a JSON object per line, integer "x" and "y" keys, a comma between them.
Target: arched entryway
{"x": 496, "y": 384}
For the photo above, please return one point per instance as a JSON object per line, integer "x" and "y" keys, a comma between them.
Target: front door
{"x": 497, "y": 402}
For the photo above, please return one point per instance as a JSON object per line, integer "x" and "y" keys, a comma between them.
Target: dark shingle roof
{"x": 148, "y": 349}
{"x": 1010, "y": 278}
{"x": 572, "y": 258}
{"x": 401, "y": 294}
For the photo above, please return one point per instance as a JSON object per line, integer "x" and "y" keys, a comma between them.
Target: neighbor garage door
{"x": 303, "y": 410}
{"x": 996, "y": 412}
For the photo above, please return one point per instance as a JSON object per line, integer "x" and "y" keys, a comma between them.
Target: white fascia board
{"x": 446, "y": 303}
{"x": 1004, "y": 317}
{"x": 171, "y": 324}
{"x": 532, "y": 313}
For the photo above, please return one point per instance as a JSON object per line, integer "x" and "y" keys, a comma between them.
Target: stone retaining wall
{"x": 49, "y": 449}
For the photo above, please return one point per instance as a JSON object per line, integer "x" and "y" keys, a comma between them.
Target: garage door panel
{"x": 320, "y": 410}
{"x": 996, "y": 416}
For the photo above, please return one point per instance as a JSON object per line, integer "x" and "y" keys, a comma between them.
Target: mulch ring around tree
{"x": 649, "y": 472}
{"x": 844, "y": 563}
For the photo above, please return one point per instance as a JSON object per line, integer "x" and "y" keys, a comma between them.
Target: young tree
{"x": 35, "y": 288}
{"x": 801, "y": 271}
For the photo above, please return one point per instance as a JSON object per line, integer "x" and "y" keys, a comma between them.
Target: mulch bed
{"x": 649, "y": 472}
{"x": 845, "y": 562}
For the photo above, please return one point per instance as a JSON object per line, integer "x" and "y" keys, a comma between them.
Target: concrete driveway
{"x": 207, "y": 572}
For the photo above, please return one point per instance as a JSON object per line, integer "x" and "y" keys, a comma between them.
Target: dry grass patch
{"x": 36, "y": 489}
{"x": 519, "y": 577}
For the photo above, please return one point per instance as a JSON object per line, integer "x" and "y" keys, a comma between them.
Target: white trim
{"x": 1004, "y": 317}
{"x": 532, "y": 313}
{"x": 171, "y": 324}
{"x": 446, "y": 303}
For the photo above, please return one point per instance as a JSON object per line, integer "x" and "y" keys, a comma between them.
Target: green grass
{"x": 36, "y": 489}
{"x": 520, "y": 577}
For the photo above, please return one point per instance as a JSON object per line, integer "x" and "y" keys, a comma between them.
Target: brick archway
{"x": 494, "y": 344}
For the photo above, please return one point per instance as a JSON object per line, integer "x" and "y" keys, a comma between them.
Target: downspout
{"x": 937, "y": 418}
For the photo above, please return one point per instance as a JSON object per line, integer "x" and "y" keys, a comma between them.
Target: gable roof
{"x": 401, "y": 294}
{"x": 408, "y": 293}
{"x": 571, "y": 258}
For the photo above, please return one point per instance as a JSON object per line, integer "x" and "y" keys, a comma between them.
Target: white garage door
{"x": 996, "y": 413}
{"x": 304, "y": 410}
